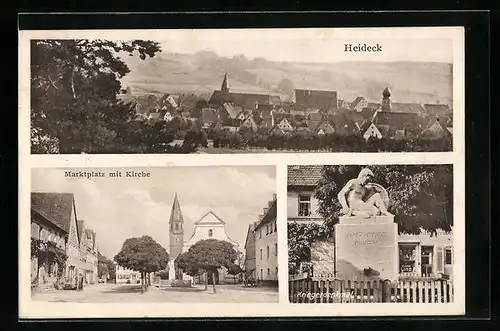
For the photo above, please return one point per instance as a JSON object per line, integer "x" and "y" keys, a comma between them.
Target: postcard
{"x": 241, "y": 172}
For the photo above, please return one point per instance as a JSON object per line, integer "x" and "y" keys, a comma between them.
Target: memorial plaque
{"x": 366, "y": 249}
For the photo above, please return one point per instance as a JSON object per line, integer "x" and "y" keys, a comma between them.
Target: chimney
{"x": 261, "y": 217}
{"x": 265, "y": 210}
{"x": 274, "y": 196}
{"x": 269, "y": 204}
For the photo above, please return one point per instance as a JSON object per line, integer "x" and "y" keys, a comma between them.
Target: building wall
{"x": 123, "y": 275}
{"x": 293, "y": 204}
{"x": 266, "y": 240}
{"x": 250, "y": 263}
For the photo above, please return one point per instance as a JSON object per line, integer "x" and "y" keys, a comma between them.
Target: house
{"x": 242, "y": 99}
{"x": 54, "y": 219}
{"x": 438, "y": 110}
{"x": 266, "y": 244}
{"x": 349, "y": 122}
{"x": 316, "y": 116}
{"x": 343, "y": 104}
{"x": 168, "y": 116}
{"x": 436, "y": 130}
{"x": 249, "y": 123}
{"x": 168, "y": 102}
{"x": 371, "y": 130}
{"x": 231, "y": 128}
{"x": 359, "y": 104}
{"x": 285, "y": 125}
{"x": 250, "y": 256}
{"x": 298, "y": 115}
{"x": 399, "y": 125}
{"x": 228, "y": 112}
{"x": 302, "y": 205}
{"x": 324, "y": 128}
{"x": 157, "y": 115}
{"x": 126, "y": 276}
{"x": 320, "y": 99}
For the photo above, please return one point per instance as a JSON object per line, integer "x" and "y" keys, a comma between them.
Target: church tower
{"x": 176, "y": 225}
{"x": 224, "y": 88}
{"x": 386, "y": 99}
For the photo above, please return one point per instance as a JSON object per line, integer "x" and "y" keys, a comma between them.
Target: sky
{"x": 118, "y": 209}
{"x": 315, "y": 45}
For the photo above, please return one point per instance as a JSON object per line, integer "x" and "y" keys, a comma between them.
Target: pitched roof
{"x": 437, "y": 109}
{"x": 176, "y": 214}
{"x": 250, "y": 234}
{"x": 80, "y": 228}
{"x": 219, "y": 97}
{"x": 399, "y": 121}
{"x": 312, "y": 124}
{"x": 325, "y": 126}
{"x": 356, "y": 101}
{"x": 402, "y": 107}
{"x": 54, "y": 207}
{"x": 209, "y": 115}
{"x": 269, "y": 216}
{"x": 209, "y": 218}
{"x": 316, "y": 116}
{"x": 231, "y": 110}
{"x": 304, "y": 175}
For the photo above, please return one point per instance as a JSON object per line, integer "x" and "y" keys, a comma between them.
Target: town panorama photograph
{"x": 248, "y": 91}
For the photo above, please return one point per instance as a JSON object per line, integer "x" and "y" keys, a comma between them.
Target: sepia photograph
{"x": 380, "y": 233}
{"x": 243, "y": 91}
{"x": 179, "y": 234}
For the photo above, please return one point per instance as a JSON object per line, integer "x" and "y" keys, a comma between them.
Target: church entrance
{"x": 216, "y": 276}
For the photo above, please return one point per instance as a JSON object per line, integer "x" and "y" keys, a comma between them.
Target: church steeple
{"x": 176, "y": 224}
{"x": 224, "y": 88}
{"x": 386, "y": 99}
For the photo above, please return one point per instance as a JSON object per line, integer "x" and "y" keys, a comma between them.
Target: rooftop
{"x": 304, "y": 175}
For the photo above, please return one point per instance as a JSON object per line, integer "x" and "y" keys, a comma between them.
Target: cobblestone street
{"x": 99, "y": 293}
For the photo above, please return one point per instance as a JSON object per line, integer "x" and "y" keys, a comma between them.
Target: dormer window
{"x": 210, "y": 233}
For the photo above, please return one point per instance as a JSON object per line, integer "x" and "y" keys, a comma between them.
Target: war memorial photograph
{"x": 381, "y": 233}
{"x": 217, "y": 92}
{"x": 99, "y": 237}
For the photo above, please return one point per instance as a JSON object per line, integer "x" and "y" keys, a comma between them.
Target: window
{"x": 171, "y": 227}
{"x": 176, "y": 226}
{"x": 426, "y": 260}
{"x": 260, "y": 233}
{"x": 275, "y": 249}
{"x": 210, "y": 232}
{"x": 268, "y": 252}
{"x": 261, "y": 273}
{"x": 268, "y": 272}
{"x": 261, "y": 253}
{"x": 267, "y": 230}
{"x": 448, "y": 257}
{"x": 304, "y": 205}
{"x": 276, "y": 271}
{"x": 271, "y": 228}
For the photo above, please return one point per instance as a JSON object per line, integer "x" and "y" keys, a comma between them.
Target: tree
{"x": 105, "y": 267}
{"x": 209, "y": 255}
{"x": 421, "y": 196}
{"x": 286, "y": 86}
{"x": 234, "y": 269}
{"x": 142, "y": 254}
{"x": 74, "y": 93}
{"x": 187, "y": 264}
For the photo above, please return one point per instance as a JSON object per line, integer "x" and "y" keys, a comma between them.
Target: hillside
{"x": 202, "y": 72}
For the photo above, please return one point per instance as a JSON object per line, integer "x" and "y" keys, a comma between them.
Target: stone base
{"x": 366, "y": 248}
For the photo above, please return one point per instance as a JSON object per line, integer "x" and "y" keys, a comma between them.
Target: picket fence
{"x": 325, "y": 290}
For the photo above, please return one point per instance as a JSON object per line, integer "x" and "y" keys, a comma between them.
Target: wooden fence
{"x": 311, "y": 290}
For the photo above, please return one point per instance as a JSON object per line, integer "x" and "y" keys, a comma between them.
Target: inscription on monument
{"x": 366, "y": 238}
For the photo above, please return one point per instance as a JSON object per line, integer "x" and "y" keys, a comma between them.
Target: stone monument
{"x": 171, "y": 271}
{"x": 366, "y": 245}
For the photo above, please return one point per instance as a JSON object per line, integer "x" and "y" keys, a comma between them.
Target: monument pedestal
{"x": 366, "y": 248}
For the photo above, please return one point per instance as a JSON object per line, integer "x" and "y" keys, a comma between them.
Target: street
{"x": 101, "y": 293}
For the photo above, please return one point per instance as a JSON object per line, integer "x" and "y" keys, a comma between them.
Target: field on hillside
{"x": 192, "y": 73}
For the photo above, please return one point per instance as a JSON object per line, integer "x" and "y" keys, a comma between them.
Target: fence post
{"x": 386, "y": 290}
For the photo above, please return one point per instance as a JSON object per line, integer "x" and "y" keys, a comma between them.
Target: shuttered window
{"x": 439, "y": 259}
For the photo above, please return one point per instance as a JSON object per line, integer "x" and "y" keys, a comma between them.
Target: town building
{"x": 250, "y": 256}
{"x": 126, "y": 276}
{"x": 319, "y": 99}
{"x": 266, "y": 244}
{"x": 244, "y": 100}
{"x": 209, "y": 226}
{"x": 423, "y": 255}
{"x": 54, "y": 219}
{"x": 359, "y": 104}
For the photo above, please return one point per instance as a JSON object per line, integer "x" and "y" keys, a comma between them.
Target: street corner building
{"x": 62, "y": 248}
{"x": 261, "y": 247}
{"x": 421, "y": 265}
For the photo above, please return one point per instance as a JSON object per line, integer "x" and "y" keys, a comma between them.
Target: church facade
{"x": 209, "y": 226}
